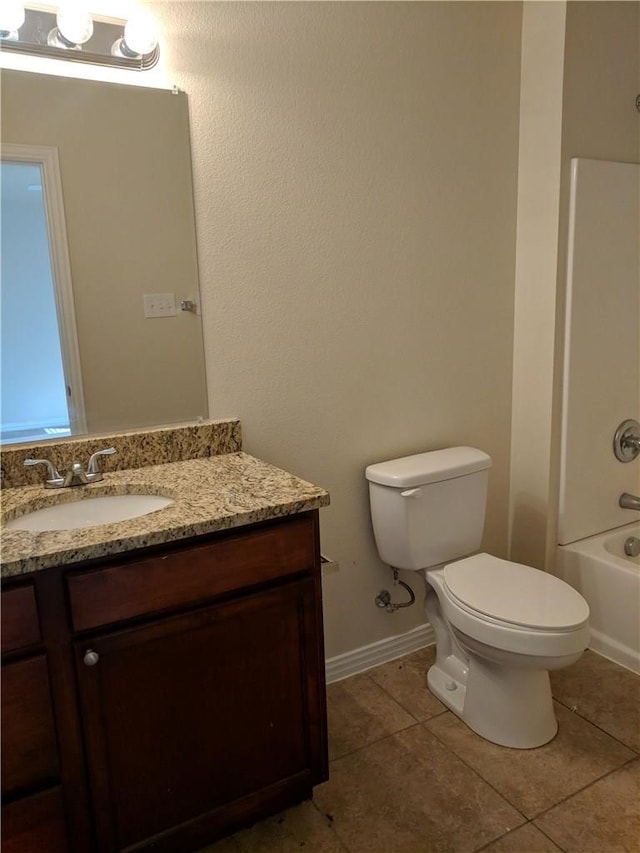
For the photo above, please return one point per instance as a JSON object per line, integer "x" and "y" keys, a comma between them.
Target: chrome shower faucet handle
{"x": 626, "y": 441}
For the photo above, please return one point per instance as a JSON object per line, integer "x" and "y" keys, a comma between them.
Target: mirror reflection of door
{"x": 41, "y": 387}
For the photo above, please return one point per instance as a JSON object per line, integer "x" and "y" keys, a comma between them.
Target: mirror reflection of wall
{"x": 125, "y": 168}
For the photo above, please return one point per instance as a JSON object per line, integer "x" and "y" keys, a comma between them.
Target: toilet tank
{"x": 429, "y": 508}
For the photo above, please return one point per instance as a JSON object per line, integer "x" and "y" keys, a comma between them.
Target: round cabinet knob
{"x": 91, "y": 658}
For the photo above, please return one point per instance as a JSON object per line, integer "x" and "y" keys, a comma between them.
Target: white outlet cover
{"x": 159, "y": 305}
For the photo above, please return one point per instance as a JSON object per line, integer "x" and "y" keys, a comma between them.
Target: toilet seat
{"x": 513, "y": 594}
{"x": 495, "y": 618}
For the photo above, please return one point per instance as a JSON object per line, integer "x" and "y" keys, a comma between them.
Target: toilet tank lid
{"x": 431, "y": 467}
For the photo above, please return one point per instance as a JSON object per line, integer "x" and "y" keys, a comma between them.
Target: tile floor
{"x": 407, "y": 776}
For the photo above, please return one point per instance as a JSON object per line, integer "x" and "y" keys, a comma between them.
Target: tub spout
{"x": 628, "y": 501}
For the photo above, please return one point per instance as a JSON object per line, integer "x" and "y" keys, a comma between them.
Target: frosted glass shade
{"x": 74, "y": 24}
{"x": 11, "y": 16}
{"x": 141, "y": 34}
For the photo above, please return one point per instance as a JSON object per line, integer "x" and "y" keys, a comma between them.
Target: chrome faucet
{"x": 628, "y": 501}
{"x": 76, "y": 475}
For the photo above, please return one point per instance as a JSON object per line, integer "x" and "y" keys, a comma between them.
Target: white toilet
{"x": 500, "y": 626}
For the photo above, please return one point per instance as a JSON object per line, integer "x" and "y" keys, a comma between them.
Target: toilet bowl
{"x": 500, "y": 626}
{"x": 507, "y": 645}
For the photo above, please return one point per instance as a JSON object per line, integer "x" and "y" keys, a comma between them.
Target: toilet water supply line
{"x": 383, "y": 598}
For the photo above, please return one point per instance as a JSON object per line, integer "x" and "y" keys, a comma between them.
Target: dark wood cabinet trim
{"x": 27, "y": 725}
{"x": 55, "y": 631}
{"x": 35, "y": 824}
{"x": 218, "y": 823}
{"x": 189, "y": 575}
{"x": 20, "y": 626}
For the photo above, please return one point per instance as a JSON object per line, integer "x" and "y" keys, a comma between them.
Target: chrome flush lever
{"x": 411, "y": 493}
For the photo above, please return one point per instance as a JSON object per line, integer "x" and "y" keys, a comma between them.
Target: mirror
{"x": 125, "y": 170}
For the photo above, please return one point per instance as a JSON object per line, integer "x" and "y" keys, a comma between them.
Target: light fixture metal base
{"x": 39, "y": 23}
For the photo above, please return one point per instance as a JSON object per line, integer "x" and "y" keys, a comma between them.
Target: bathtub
{"x": 610, "y": 581}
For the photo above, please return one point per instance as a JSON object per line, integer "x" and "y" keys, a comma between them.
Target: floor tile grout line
{"x": 499, "y": 837}
{"x": 479, "y": 775}
{"x": 372, "y": 742}
{"x": 388, "y": 691}
{"x": 444, "y": 710}
{"x": 526, "y": 819}
{"x": 411, "y": 714}
{"x": 544, "y": 811}
{"x": 393, "y": 698}
{"x": 516, "y": 829}
{"x": 573, "y": 710}
{"x": 546, "y": 835}
{"x": 455, "y": 754}
{"x": 424, "y": 687}
{"x": 555, "y": 698}
{"x": 585, "y": 788}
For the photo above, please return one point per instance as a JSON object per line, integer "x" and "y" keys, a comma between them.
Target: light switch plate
{"x": 159, "y": 305}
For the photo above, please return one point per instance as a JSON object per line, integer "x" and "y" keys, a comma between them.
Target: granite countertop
{"x": 210, "y": 494}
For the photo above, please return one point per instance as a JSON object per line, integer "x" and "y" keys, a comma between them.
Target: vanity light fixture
{"x": 70, "y": 32}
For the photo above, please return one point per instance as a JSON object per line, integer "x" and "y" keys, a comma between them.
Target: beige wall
{"x": 543, "y": 32}
{"x": 355, "y": 183}
{"x": 355, "y": 172}
{"x": 355, "y": 180}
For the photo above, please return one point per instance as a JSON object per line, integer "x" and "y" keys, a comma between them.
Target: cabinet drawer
{"x": 20, "y": 626}
{"x": 35, "y": 824}
{"x": 29, "y": 750}
{"x": 189, "y": 575}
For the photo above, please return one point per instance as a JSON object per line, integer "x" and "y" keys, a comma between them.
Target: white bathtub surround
{"x": 601, "y": 389}
{"x": 601, "y": 383}
{"x": 610, "y": 581}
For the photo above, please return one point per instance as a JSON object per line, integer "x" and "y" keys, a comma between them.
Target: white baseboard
{"x": 366, "y": 657}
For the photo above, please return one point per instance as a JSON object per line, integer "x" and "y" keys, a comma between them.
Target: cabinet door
{"x": 19, "y": 616}
{"x": 187, "y": 714}
{"x": 35, "y": 824}
{"x": 29, "y": 749}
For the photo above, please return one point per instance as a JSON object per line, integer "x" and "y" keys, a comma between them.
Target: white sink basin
{"x": 88, "y": 512}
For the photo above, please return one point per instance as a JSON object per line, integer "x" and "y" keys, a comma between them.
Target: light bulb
{"x": 141, "y": 34}
{"x": 11, "y": 16}
{"x": 74, "y": 24}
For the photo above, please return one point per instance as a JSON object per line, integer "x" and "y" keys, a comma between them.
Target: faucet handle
{"x": 54, "y": 477}
{"x": 626, "y": 441}
{"x": 92, "y": 467}
{"x": 628, "y": 501}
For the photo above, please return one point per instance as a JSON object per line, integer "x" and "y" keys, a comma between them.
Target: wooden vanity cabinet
{"x": 32, "y": 815}
{"x": 199, "y": 673}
